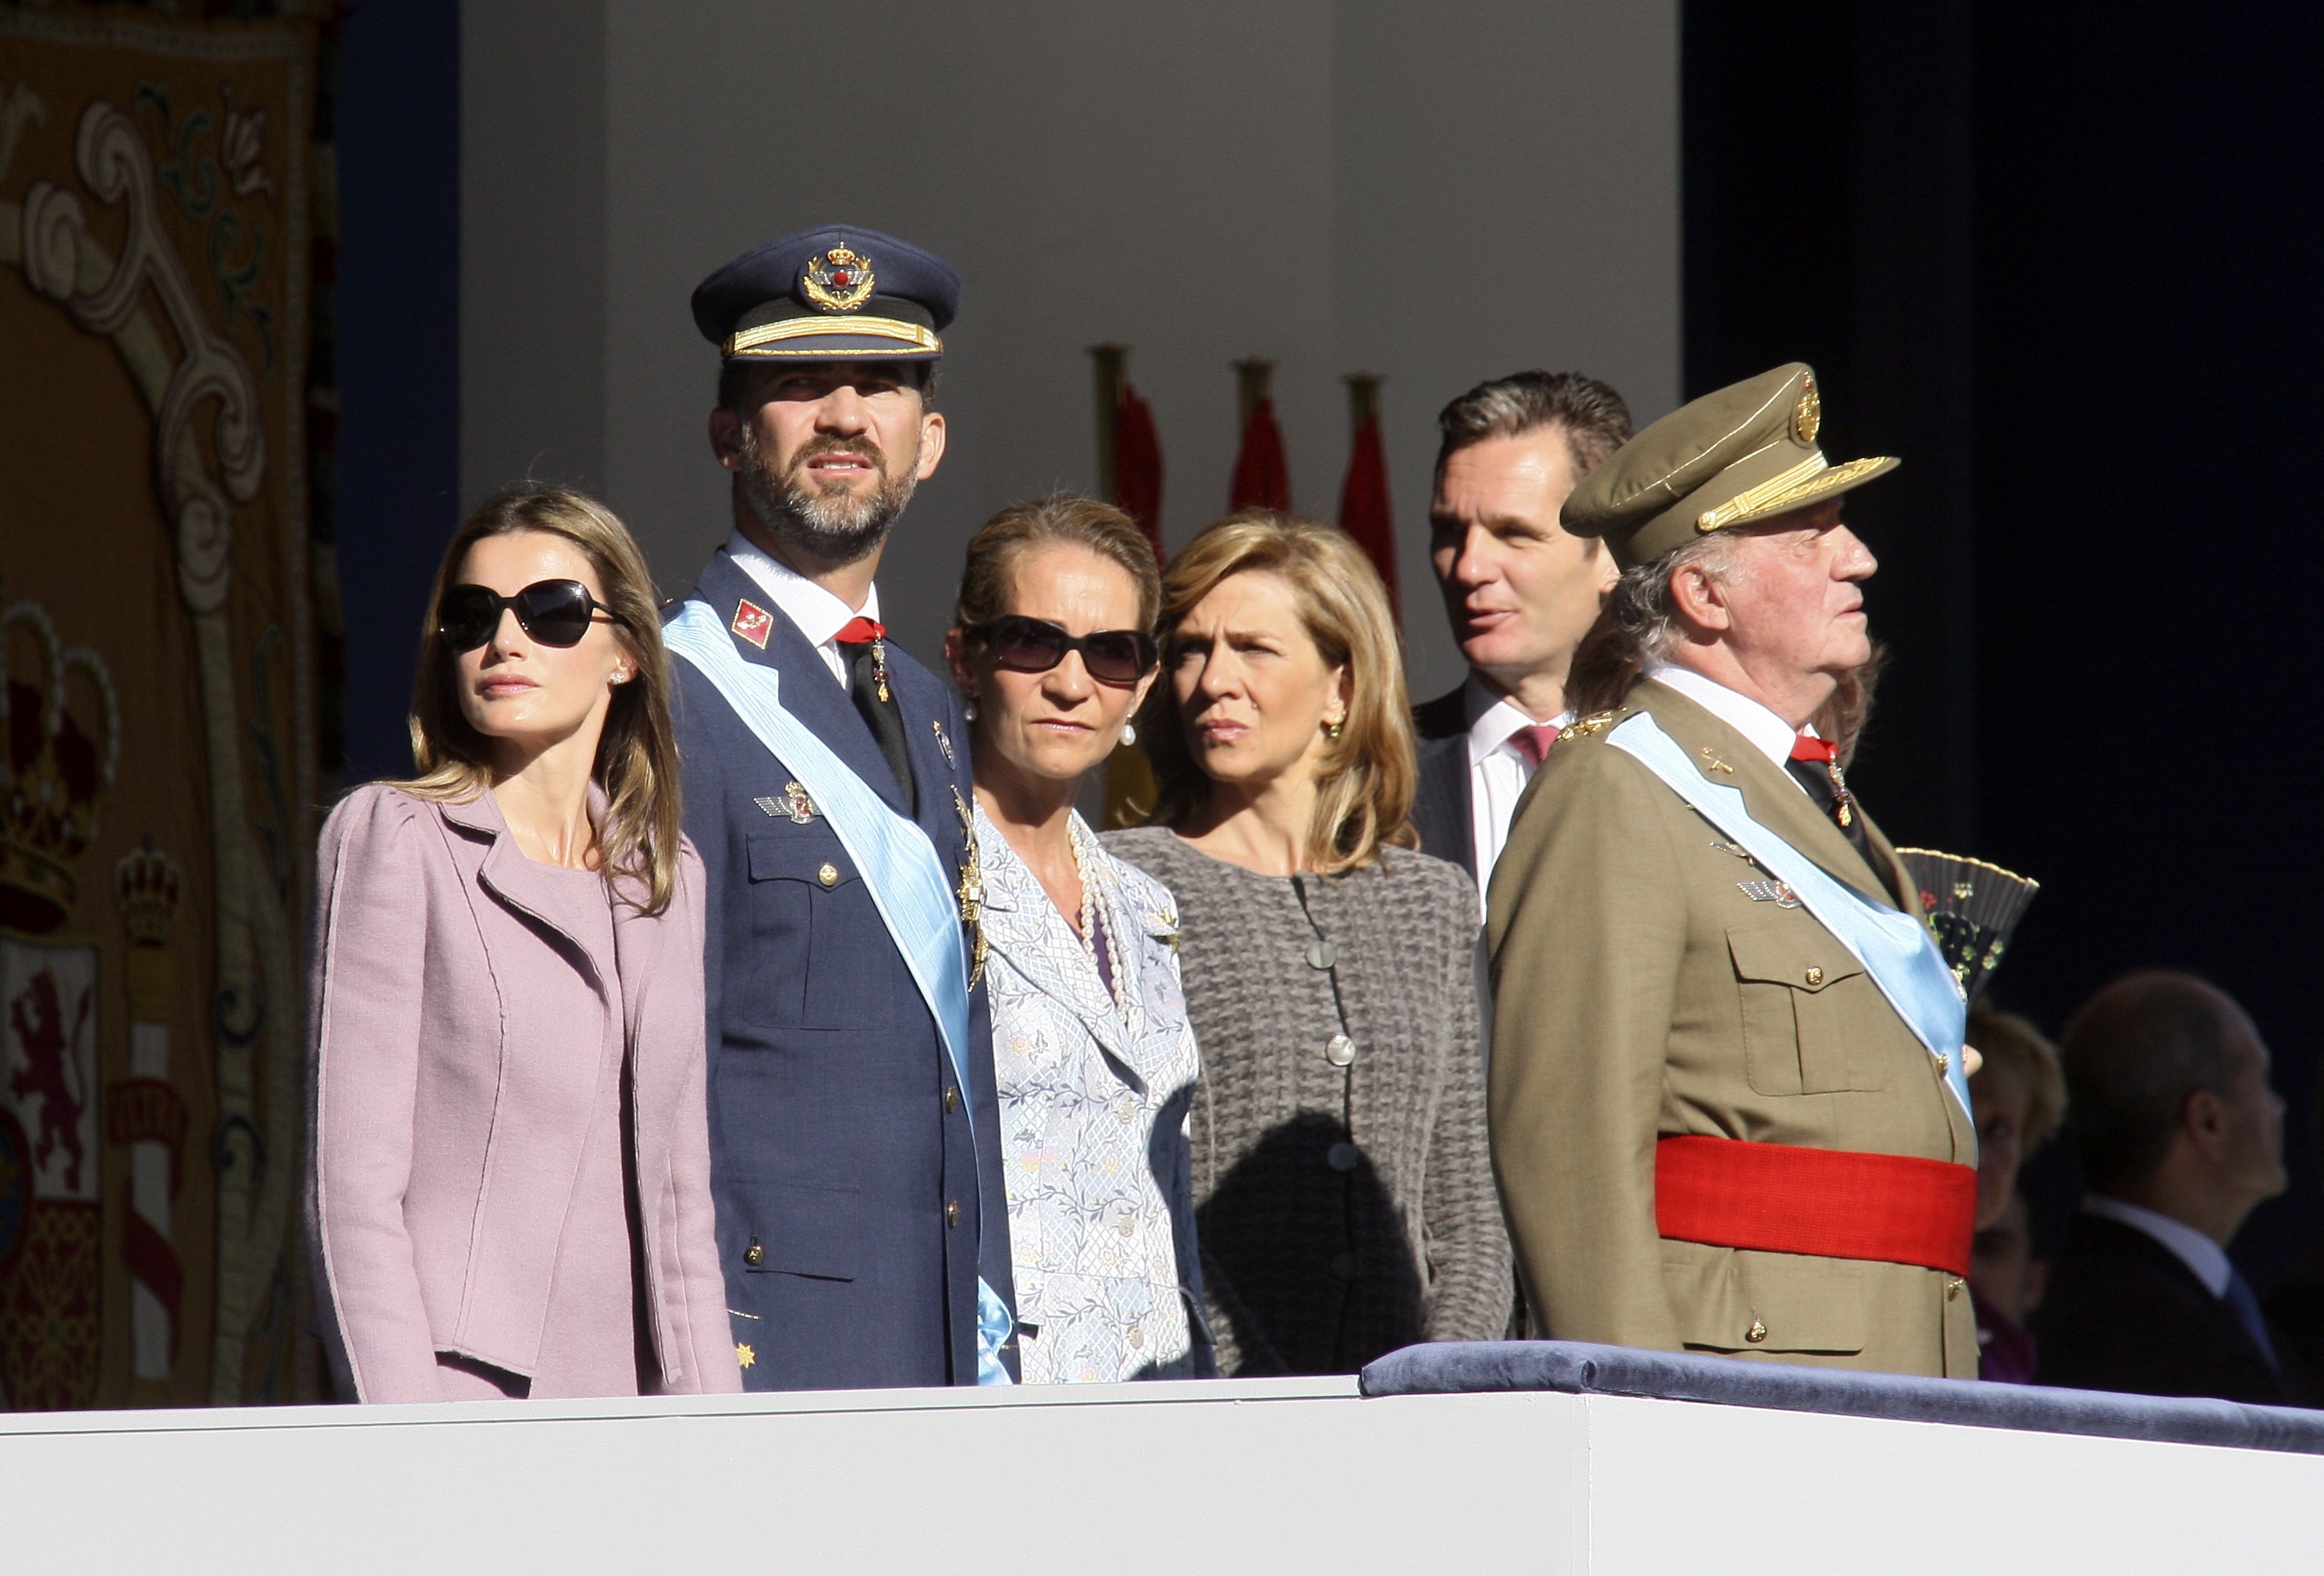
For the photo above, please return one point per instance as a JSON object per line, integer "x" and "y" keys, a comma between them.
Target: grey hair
{"x": 1639, "y": 624}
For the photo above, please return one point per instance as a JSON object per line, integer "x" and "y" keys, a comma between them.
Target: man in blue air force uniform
{"x": 854, "y": 1132}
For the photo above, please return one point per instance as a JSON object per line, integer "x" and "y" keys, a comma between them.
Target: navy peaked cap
{"x": 838, "y": 292}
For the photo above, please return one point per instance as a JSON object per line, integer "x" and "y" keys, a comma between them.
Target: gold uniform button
{"x": 1757, "y": 1333}
{"x": 952, "y": 1099}
{"x": 1953, "y": 1288}
{"x": 828, "y": 875}
{"x": 951, "y": 1212}
{"x": 1944, "y": 1063}
{"x": 754, "y": 1255}
{"x": 1814, "y": 976}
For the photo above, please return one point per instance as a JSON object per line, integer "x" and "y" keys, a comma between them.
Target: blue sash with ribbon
{"x": 1896, "y": 948}
{"x": 898, "y": 866}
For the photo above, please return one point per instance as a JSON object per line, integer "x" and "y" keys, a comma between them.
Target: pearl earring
{"x": 1129, "y": 732}
{"x": 1331, "y": 729}
{"x": 968, "y": 709}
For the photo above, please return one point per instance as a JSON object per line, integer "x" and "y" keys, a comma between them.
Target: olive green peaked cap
{"x": 1743, "y": 453}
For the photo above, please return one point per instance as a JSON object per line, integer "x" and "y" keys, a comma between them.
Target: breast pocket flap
{"x": 1806, "y": 958}
{"x": 818, "y": 860}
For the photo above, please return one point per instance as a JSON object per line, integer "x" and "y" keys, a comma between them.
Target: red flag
{"x": 1363, "y": 502}
{"x": 1137, "y": 466}
{"x": 1262, "y": 476}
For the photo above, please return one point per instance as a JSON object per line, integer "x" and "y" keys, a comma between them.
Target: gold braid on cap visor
{"x": 1812, "y": 478}
{"x": 914, "y": 337}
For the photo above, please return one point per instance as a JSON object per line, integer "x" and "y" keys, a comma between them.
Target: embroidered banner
{"x": 159, "y": 591}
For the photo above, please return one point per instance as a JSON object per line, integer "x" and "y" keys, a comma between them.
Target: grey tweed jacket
{"x": 1344, "y": 1192}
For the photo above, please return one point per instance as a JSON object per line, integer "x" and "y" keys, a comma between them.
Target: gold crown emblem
{"x": 1807, "y": 415}
{"x": 62, "y": 732}
{"x": 839, "y": 281}
{"x": 146, "y": 884}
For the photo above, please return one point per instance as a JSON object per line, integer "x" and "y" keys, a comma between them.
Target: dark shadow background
{"x": 399, "y": 348}
{"x": 2062, "y": 261}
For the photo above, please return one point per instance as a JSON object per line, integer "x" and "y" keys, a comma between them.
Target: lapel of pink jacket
{"x": 488, "y": 855}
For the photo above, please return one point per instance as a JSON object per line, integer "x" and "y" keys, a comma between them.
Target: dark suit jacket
{"x": 2124, "y": 1312}
{"x": 1440, "y": 811}
{"x": 838, "y": 1138}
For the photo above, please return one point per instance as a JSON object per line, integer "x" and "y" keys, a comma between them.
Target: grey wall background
{"x": 1437, "y": 195}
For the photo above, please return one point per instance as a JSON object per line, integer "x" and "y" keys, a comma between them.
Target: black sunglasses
{"x": 1035, "y": 645}
{"x": 556, "y": 612}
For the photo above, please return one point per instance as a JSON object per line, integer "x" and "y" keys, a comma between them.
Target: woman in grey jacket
{"x": 1344, "y": 1192}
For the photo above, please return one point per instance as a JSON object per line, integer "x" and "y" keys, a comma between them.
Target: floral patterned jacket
{"x": 1094, "y": 1124}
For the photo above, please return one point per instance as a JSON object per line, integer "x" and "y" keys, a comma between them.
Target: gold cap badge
{"x": 1807, "y": 415}
{"x": 839, "y": 281}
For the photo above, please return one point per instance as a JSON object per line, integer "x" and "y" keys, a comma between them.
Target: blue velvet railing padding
{"x": 1576, "y": 1368}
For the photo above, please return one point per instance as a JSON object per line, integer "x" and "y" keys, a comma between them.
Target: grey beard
{"x": 829, "y": 527}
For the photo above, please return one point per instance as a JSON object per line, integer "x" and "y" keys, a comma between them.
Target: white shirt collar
{"x": 818, "y": 614}
{"x": 1769, "y": 733}
{"x": 2198, "y": 1252}
{"x": 1494, "y": 720}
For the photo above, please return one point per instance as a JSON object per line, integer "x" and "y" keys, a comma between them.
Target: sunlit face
{"x": 1519, "y": 588}
{"x": 513, "y": 688}
{"x": 1255, "y": 695}
{"x": 2001, "y": 1101}
{"x": 830, "y": 452}
{"x": 1060, "y": 723}
{"x": 1794, "y": 598}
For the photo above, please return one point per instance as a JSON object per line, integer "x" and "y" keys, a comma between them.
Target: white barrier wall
{"x": 1238, "y": 1476}
{"x": 1435, "y": 194}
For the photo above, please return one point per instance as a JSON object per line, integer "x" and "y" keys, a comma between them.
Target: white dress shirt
{"x": 1497, "y": 773}
{"x": 819, "y": 615}
{"x": 1768, "y": 732}
{"x": 2198, "y": 1252}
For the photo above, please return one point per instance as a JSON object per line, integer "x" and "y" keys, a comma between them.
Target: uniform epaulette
{"x": 1595, "y": 723}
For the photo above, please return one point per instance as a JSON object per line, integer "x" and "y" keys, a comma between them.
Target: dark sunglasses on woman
{"x": 556, "y": 612}
{"x": 1035, "y": 645}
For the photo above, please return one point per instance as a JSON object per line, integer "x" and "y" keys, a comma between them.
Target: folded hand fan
{"x": 1972, "y": 906}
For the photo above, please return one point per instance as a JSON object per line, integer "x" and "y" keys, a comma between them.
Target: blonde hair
{"x": 1365, "y": 782}
{"x": 2012, "y": 1044}
{"x": 637, "y": 754}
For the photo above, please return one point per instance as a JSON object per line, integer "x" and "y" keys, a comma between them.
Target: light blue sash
{"x": 899, "y": 865}
{"x": 1896, "y": 948}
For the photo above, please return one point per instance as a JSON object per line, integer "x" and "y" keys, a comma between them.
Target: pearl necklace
{"x": 1089, "y": 938}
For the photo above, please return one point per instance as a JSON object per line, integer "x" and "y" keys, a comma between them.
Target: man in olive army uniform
{"x": 1729, "y": 1109}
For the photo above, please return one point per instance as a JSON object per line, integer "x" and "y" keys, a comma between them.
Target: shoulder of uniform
{"x": 1595, "y": 723}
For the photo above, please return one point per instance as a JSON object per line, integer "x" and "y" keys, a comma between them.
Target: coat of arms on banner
{"x": 48, "y": 1159}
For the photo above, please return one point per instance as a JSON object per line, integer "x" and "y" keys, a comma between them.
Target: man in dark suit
{"x": 2180, "y": 1137}
{"x": 854, "y": 1146}
{"x": 1521, "y": 593}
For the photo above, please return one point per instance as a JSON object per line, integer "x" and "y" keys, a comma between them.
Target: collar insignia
{"x": 753, "y": 624}
{"x": 839, "y": 281}
{"x": 1595, "y": 723}
{"x": 1710, "y": 760}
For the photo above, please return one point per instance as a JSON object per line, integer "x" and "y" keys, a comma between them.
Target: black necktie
{"x": 886, "y": 722}
{"x": 1816, "y": 773}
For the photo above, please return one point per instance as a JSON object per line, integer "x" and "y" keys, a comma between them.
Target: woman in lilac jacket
{"x": 509, "y": 1192}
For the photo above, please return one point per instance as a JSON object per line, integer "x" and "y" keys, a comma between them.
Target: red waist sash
{"x": 1830, "y": 1204}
